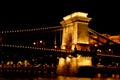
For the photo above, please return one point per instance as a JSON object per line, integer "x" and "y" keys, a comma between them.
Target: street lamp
{"x": 34, "y": 43}
{"x": 41, "y": 41}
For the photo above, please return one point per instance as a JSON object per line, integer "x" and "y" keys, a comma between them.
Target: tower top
{"x": 76, "y": 14}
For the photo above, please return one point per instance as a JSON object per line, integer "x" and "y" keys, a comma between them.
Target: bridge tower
{"x": 75, "y": 31}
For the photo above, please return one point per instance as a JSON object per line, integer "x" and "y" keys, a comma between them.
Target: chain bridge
{"x": 73, "y": 38}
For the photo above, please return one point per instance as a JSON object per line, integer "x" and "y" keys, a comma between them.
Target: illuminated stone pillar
{"x": 64, "y": 38}
{"x": 75, "y": 31}
{"x": 82, "y": 36}
{"x": 67, "y": 36}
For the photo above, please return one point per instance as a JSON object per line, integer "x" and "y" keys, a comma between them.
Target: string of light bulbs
{"x": 29, "y": 30}
{"x": 35, "y": 48}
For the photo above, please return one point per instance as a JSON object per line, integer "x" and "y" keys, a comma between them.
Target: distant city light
{"x": 55, "y": 46}
{"x": 41, "y": 41}
{"x": 95, "y": 45}
{"x": 34, "y": 43}
{"x": 109, "y": 50}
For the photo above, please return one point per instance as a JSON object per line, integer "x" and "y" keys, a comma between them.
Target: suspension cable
{"x": 28, "y": 30}
{"x": 94, "y": 32}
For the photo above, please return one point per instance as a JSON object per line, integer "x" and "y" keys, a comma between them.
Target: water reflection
{"x": 59, "y": 78}
{"x": 75, "y": 78}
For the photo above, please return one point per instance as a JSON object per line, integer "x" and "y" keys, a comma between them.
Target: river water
{"x": 67, "y": 66}
{"x": 59, "y": 78}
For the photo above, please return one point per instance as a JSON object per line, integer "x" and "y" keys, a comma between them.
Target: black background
{"x": 104, "y": 14}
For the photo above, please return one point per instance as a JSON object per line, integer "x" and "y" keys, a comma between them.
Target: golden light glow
{"x": 26, "y": 63}
{"x": 99, "y": 50}
{"x": 67, "y": 17}
{"x": 63, "y": 47}
{"x": 71, "y": 65}
{"x": 73, "y": 47}
{"x": 9, "y": 62}
{"x": 79, "y": 14}
{"x": 41, "y": 41}
{"x": 34, "y": 43}
{"x": 68, "y": 60}
{"x": 61, "y": 64}
{"x": 83, "y": 42}
{"x": 95, "y": 45}
{"x": 78, "y": 55}
{"x": 20, "y": 63}
{"x": 84, "y": 61}
{"x": 109, "y": 50}
{"x": 55, "y": 46}
{"x": 115, "y": 38}
{"x": 75, "y": 30}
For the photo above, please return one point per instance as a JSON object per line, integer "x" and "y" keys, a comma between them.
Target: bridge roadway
{"x": 85, "y": 53}
{"x": 37, "y": 48}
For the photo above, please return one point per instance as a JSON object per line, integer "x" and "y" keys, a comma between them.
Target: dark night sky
{"x": 105, "y": 15}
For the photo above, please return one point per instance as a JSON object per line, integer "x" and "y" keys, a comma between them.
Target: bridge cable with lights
{"x": 50, "y": 29}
